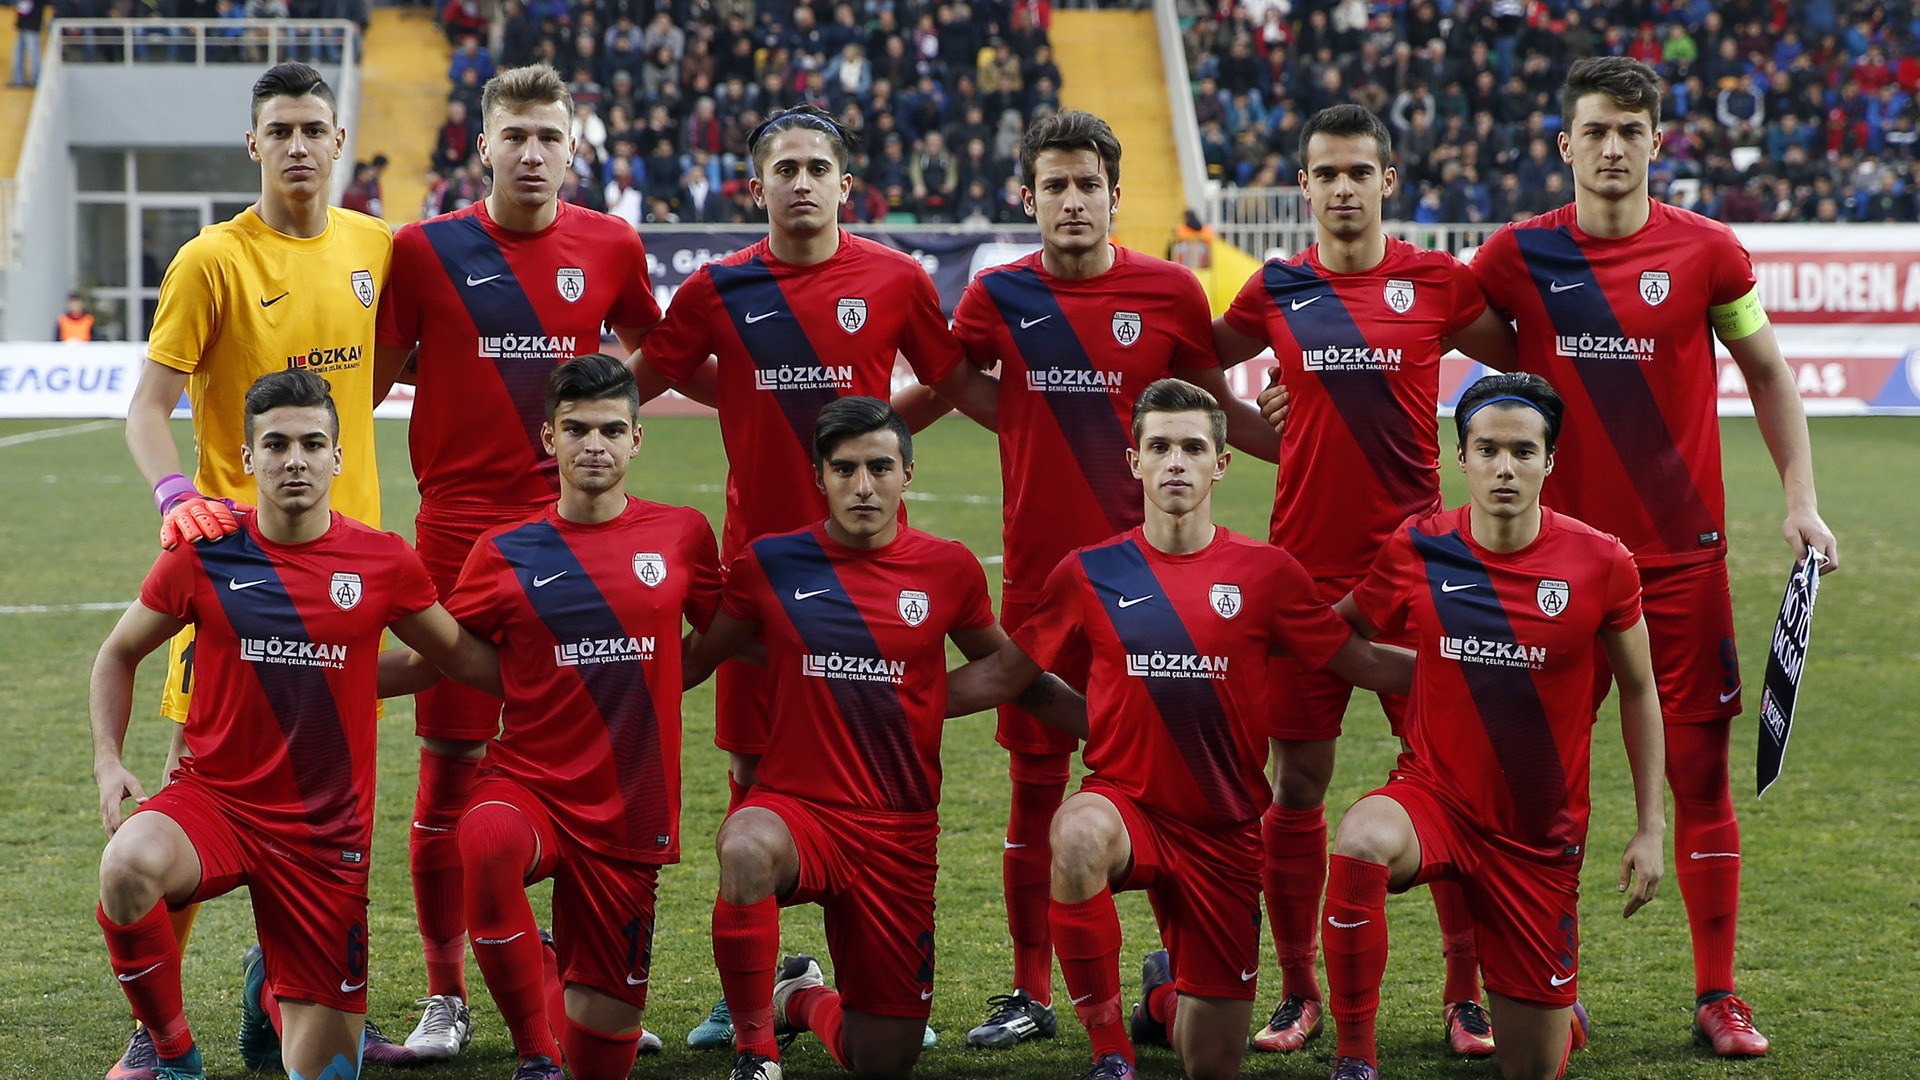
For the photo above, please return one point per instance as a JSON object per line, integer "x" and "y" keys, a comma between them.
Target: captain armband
{"x": 1742, "y": 318}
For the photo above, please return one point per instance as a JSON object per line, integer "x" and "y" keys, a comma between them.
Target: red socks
{"x": 1293, "y": 875}
{"x": 1457, "y": 942}
{"x": 1706, "y": 848}
{"x": 433, "y": 855}
{"x": 817, "y": 1009}
{"x": 736, "y": 792}
{"x": 496, "y": 845}
{"x": 146, "y": 959}
{"x": 594, "y": 1055}
{"x": 1039, "y": 783}
{"x": 1162, "y": 1004}
{"x": 745, "y": 939}
{"x": 1354, "y": 935}
{"x": 1087, "y": 937}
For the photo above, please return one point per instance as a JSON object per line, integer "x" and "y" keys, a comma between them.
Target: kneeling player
{"x": 278, "y": 792}
{"x": 855, "y": 613}
{"x": 585, "y": 602}
{"x": 1508, "y": 602}
{"x": 1179, "y": 617}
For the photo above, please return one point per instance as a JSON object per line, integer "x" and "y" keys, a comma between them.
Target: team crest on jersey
{"x": 914, "y": 606}
{"x": 650, "y": 567}
{"x": 1399, "y": 295}
{"x": 1126, "y": 327}
{"x": 363, "y": 287}
{"x": 851, "y": 314}
{"x": 572, "y": 283}
{"x": 1551, "y": 595}
{"x": 344, "y": 590}
{"x": 1225, "y": 600}
{"x": 1655, "y": 286}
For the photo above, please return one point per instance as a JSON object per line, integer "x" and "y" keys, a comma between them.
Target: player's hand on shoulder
{"x": 198, "y": 519}
{"x": 1805, "y": 530}
{"x": 1274, "y": 402}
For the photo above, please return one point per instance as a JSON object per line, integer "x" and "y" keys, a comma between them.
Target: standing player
{"x": 585, "y": 601}
{"x": 855, "y": 613}
{"x": 1613, "y": 296}
{"x": 278, "y": 794}
{"x": 1178, "y": 618}
{"x": 808, "y": 315}
{"x": 1358, "y": 323}
{"x": 287, "y": 283}
{"x": 494, "y": 295}
{"x": 1510, "y": 604}
{"x": 1079, "y": 328}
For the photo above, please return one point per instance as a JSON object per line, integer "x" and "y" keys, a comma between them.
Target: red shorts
{"x": 1526, "y": 906}
{"x": 1308, "y": 704}
{"x": 741, "y": 708}
{"x": 1204, "y": 884}
{"x": 873, "y": 876}
{"x": 451, "y": 710}
{"x": 1020, "y": 732}
{"x": 311, "y": 918}
{"x": 1689, "y": 613}
{"x": 602, "y": 904}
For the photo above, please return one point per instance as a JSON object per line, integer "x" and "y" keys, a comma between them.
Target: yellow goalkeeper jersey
{"x": 241, "y": 300}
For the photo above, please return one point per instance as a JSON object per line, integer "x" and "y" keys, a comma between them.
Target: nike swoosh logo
{"x": 1082, "y": 1000}
{"x": 1559, "y": 288}
{"x": 1729, "y": 695}
{"x": 1248, "y": 976}
{"x": 472, "y": 281}
{"x": 926, "y": 995}
{"x": 642, "y": 981}
{"x": 1714, "y": 855}
{"x": 540, "y": 581}
{"x": 264, "y": 302}
{"x": 752, "y": 318}
{"x": 1338, "y": 925}
{"x": 1298, "y": 304}
{"x": 1026, "y": 323}
{"x": 1558, "y": 981}
{"x": 137, "y": 974}
{"x": 348, "y": 988}
{"x": 1011, "y": 846}
{"x": 1448, "y": 586}
{"x": 235, "y": 584}
{"x": 1129, "y": 601}
{"x": 430, "y": 828}
{"x": 498, "y": 941}
{"x": 798, "y": 595}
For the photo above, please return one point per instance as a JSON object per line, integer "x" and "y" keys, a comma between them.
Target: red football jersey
{"x": 789, "y": 339}
{"x": 284, "y": 674}
{"x": 1360, "y": 354}
{"x": 494, "y": 311}
{"x": 1619, "y": 327}
{"x": 587, "y": 617}
{"x": 1075, "y": 356}
{"x": 1503, "y": 689}
{"x": 1177, "y": 695}
{"x": 857, "y": 657}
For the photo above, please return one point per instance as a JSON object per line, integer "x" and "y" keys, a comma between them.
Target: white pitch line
{"x": 54, "y": 433}
{"x": 55, "y": 609}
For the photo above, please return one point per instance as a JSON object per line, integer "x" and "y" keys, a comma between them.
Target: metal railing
{"x": 1263, "y": 221}
{"x": 203, "y": 41}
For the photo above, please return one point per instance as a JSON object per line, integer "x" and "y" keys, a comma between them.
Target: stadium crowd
{"x": 1775, "y": 110}
{"x": 665, "y": 97}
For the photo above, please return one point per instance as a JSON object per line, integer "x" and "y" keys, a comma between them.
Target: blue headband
{"x": 1528, "y": 402}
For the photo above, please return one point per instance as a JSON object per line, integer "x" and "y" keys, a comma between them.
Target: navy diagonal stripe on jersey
{"x": 1190, "y": 708}
{"x": 829, "y": 623}
{"x": 498, "y": 308}
{"x": 1364, "y": 399}
{"x": 574, "y": 609}
{"x": 1095, "y": 434}
{"x": 1618, "y": 388}
{"x": 299, "y": 695}
{"x": 774, "y": 339}
{"x": 1505, "y": 697}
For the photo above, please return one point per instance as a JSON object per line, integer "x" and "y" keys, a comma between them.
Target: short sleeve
{"x": 1496, "y": 269}
{"x": 413, "y": 590}
{"x": 1056, "y": 621}
{"x": 473, "y": 603}
{"x": 1468, "y": 300}
{"x": 1248, "y": 312}
{"x": 746, "y": 584}
{"x": 929, "y": 346}
{"x": 683, "y": 340}
{"x": 1733, "y": 275}
{"x": 976, "y": 606}
{"x": 1623, "y": 590}
{"x": 189, "y": 313}
{"x": 398, "y": 324}
{"x": 1193, "y": 322}
{"x": 1301, "y": 621}
{"x": 703, "y": 595}
{"x": 635, "y": 306}
{"x": 1380, "y": 596}
{"x": 168, "y": 588}
{"x": 976, "y": 325}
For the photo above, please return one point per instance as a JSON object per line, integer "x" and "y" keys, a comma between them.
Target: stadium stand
{"x": 1776, "y": 111}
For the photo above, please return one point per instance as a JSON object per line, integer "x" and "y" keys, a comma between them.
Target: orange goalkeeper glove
{"x": 186, "y": 515}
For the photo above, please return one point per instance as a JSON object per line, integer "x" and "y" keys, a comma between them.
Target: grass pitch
{"x": 1831, "y": 921}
